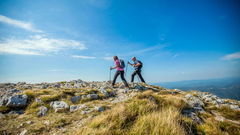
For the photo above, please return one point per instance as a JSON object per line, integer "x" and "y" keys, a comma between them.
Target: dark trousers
{"x": 137, "y": 72}
{"x": 121, "y": 73}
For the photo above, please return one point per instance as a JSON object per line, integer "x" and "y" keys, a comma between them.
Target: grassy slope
{"x": 148, "y": 113}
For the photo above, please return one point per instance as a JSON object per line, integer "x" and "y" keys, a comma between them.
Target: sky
{"x": 57, "y": 40}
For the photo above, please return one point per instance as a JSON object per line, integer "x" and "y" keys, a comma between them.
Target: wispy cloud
{"x": 18, "y": 23}
{"x": 38, "y": 45}
{"x": 233, "y": 56}
{"x": 55, "y": 70}
{"x": 108, "y": 58}
{"x": 149, "y": 49}
{"x": 83, "y": 57}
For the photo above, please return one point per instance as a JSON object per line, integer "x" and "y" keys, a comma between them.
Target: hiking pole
{"x": 126, "y": 71}
{"x": 110, "y": 74}
{"x": 138, "y": 79}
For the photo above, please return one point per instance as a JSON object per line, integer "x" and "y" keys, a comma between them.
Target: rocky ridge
{"x": 76, "y": 95}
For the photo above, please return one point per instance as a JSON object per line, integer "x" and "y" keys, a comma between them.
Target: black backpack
{"x": 139, "y": 67}
{"x": 122, "y": 64}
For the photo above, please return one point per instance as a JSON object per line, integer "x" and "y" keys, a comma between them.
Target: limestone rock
{"x": 75, "y": 99}
{"x": 99, "y": 108}
{"x": 24, "y": 132}
{"x": 59, "y": 106}
{"x": 76, "y": 107}
{"x": 42, "y": 111}
{"x": 17, "y": 101}
{"x": 92, "y": 96}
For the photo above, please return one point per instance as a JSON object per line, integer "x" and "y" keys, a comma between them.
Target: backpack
{"x": 139, "y": 67}
{"x": 122, "y": 64}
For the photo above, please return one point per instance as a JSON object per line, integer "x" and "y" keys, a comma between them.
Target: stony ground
{"x": 65, "y": 107}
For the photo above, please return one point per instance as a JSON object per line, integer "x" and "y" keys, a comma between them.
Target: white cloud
{"x": 233, "y": 56}
{"x": 108, "y": 58}
{"x": 83, "y": 57}
{"x": 38, "y": 45}
{"x": 20, "y": 24}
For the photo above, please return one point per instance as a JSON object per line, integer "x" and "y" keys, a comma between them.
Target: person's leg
{"x": 123, "y": 78}
{"x": 133, "y": 75}
{"x": 140, "y": 75}
{"x": 115, "y": 77}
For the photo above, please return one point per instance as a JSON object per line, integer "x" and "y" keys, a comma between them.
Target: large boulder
{"x": 59, "y": 106}
{"x": 17, "y": 101}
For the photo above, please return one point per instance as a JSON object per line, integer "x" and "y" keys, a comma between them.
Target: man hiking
{"x": 137, "y": 64}
{"x": 119, "y": 66}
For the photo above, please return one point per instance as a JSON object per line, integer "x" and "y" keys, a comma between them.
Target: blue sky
{"x": 54, "y": 40}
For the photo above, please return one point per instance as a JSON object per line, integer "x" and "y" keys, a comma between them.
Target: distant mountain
{"x": 225, "y": 87}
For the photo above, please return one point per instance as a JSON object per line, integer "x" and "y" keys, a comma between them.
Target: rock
{"x": 42, "y": 111}
{"x": 76, "y": 107}
{"x": 189, "y": 113}
{"x": 104, "y": 92}
{"x": 86, "y": 111}
{"x": 99, "y": 108}
{"x": 17, "y": 101}
{"x": 220, "y": 101}
{"x": 29, "y": 122}
{"x": 219, "y": 118}
{"x": 4, "y": 100}
{"x": 73, "y": 108}
{"x": 16, "y": 112}
{"x": 122, "y": 86}
{"x": 39, "y": 100}
{"x": 75, "y": 99}
{"x": 2, "y": 115}
{"x": 188, "y": 96}
{"x": 12, "y": 91}
{"x": 195, "y": 103}
{"x": 59, "y": 106}
{"x": 46, "y": 122}
{"x": 24, "y": 132}
{"x": 234, "y": 107}
{"x": 92, "y": 96}
{"x": 56, "y": 85}
{"x": 140, "y": 87}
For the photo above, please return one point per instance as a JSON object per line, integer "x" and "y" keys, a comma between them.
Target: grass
{"x": 229, "y": 113}
{"x": 147, "y": 113}
{"x": 4, "y": 109}
{"x": 49, "y": 98}
{"x": 163, "y": 122}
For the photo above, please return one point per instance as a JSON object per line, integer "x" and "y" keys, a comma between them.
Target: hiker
{"x": 119, "y": 66}
{"x": 137, "y": 64}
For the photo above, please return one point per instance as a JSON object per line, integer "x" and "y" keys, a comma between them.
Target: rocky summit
{"x": 87, "y": 108}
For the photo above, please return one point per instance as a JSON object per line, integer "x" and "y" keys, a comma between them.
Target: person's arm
{"x": 117, "y": 65}
{"x": 135, "y": 65}
{"x": 130, "y": 63}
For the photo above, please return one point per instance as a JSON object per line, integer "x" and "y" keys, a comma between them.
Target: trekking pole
{"x": 126, "y": 71}
{"x": 110, "y": 75}
{"x": 138, "y": 79}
